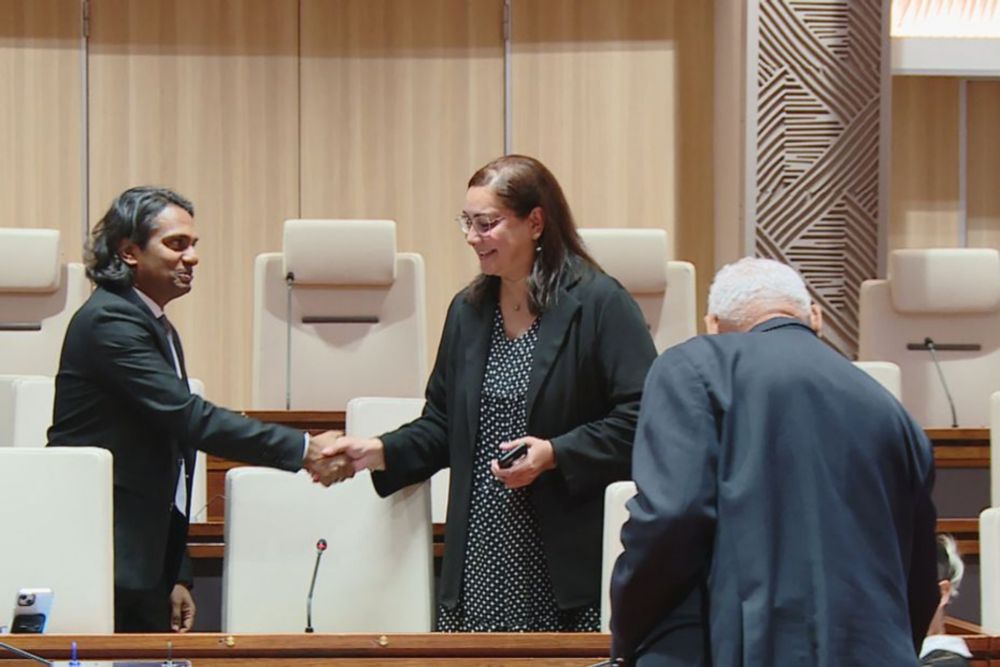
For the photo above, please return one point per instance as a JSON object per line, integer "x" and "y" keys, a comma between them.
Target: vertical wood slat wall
{"x": 262, "y": 110}
{"x": 925, "y": 195}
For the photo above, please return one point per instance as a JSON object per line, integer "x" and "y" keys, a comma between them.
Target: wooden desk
{"x": 302, "y": 650}
{"x": 371, "y": 650}
{"x": 960, "y": 447}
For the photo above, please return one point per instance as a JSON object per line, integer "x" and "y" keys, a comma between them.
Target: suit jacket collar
{"x": 133, "y": 297}
{"x": 160, "y": 334}
{"x": 781, "y": 323}
{"x": 476, "y": 323}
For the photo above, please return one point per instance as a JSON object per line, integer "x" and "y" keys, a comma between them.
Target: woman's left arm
{"x": 597, "y": 453}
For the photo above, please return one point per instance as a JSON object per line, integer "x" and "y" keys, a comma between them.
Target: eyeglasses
{"x": 481, "y": 222}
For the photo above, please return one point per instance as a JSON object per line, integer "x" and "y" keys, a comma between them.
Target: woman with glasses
{"x": 543, "y": 356}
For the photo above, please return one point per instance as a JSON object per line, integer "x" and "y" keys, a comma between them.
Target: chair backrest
{"x": 953, "y": 297}
{"x": 615, "y": 515}
{"x": 886, "y": 373}
{"x": 664, "y": 290}
{"x": 989, "y": 569}
{"x": 25, "y": 410}
{"x": 376, "y": 576}
{"x": 375, "y": 415}
{"x": 38, "y": 296}
{"x": 56, "y": 513}
{"x": 358, "y": 317}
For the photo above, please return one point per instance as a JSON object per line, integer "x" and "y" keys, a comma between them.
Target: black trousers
{"x": 149, "y": 610}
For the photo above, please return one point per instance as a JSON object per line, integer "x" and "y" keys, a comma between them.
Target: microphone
{"x": 929, "y": 344}
{"x": 24, "y": 654}
{"x": 320, "y": 548}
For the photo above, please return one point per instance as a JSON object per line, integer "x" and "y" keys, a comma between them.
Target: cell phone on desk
{"x": 31, "y": 611}
{"x": 507, "y": 459}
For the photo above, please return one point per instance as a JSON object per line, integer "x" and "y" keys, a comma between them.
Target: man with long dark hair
{"x": 122, "y": 385}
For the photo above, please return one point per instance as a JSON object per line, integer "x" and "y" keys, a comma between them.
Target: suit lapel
{"x": 164, "y": 344}
{"x": 476, "y": 325}
{"x": 158, "y": 332}
{"x": 551, "y": 334}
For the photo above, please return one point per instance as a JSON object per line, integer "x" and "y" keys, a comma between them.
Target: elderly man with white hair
{"x": 783, "y": 514}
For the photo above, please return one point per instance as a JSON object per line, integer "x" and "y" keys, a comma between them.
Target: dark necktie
{"x": 180, "y": 494}
{"x": 174, "y": 342}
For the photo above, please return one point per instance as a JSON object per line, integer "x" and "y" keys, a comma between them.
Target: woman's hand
{"x": 363, "y": 453}
{"x": 539, "y": 458}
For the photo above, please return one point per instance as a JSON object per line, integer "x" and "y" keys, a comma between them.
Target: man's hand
{"x": 326, "y": 468}
{"x": 363, "y": 453}
{"x": 525, "y": 470}
{"x": 181, "y": 609}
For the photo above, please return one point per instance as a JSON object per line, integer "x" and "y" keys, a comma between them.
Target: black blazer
{"x": 584, "y": 387}
{"x": 117, "y": 388}
{"x": 783, "y": 510}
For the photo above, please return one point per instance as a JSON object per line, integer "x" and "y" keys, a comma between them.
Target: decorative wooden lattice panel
{"x": 817, "y": 150}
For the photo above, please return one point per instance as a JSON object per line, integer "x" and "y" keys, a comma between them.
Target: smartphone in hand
{"x": 507, "y": 459}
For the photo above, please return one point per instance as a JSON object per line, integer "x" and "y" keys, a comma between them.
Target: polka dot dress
{"x": 505, "y": 579}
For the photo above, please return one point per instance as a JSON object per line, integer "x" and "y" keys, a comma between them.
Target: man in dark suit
{"x": 783, "y": 514}
{"x": 122, "y": 385}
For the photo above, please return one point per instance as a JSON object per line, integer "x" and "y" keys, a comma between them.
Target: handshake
{"x": 333, "y": 457}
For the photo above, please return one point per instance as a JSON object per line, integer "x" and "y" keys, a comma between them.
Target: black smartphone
{"x": 507, "y": 459}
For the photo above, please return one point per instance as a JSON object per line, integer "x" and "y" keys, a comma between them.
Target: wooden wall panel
{"x": 40, "y": 117}
{"x": 401, "y": 102}
{"x": 614, "y": 97}
{"x": 924, "y": 208}
{"x": 202, "y": 97}
{"x": 594, "y": 98}
{"x": 983, "y": 172}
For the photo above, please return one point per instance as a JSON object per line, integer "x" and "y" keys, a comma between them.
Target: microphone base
{"x": 309, "y": 630}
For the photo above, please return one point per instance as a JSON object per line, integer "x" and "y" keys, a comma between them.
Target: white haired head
{"x": 752, "y": 290}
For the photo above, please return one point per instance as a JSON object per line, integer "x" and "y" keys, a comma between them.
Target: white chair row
{"x": 338, "y": 313}
{"x": 377, "y": 575}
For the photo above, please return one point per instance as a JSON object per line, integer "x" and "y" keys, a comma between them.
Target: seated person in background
{"x": 780, "y": 491}
{"x": 122, "y": 385}
{"x": 939, "y": 648}
{"x": 541, "y": 349}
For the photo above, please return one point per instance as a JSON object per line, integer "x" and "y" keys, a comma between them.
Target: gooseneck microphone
{"x": 24, "y": 654}
{"x": 320, "y": 548}
{"x": 929, "y": 344}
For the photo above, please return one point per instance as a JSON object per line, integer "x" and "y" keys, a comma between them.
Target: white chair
{"x": 989, "y": 569}
{"x": 615, "y": 516}
{"x": 995, "y": 449}
{"x": 664, "y": 290}
{"x": 56, "y": 513}
{"x": 886, "y": 373}
{"x": 953, "y": 297}
{"x": 25, "y": 410}
{"x": 376, "y": 415}
{"x": 376, "y": 576}
{"x": 38, "y": 296}
{"x": 346, "y": 309}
